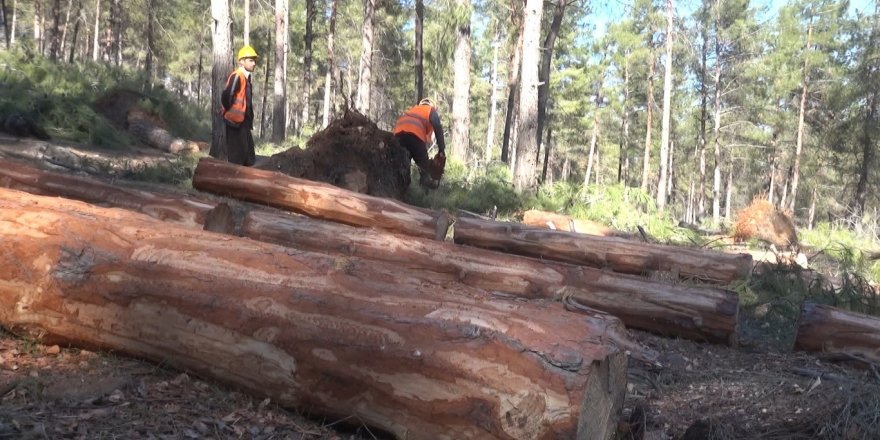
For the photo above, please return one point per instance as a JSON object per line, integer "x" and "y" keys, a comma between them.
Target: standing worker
{"x": 238, "y": 109}
{"x": 413, "y": 132}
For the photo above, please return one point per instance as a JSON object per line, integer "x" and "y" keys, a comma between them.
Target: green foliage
{"x": 463, "y": 188}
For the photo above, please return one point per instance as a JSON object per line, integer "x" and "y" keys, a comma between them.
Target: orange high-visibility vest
{"x": 235, "y": 112}
{"x": 417, "y": 121}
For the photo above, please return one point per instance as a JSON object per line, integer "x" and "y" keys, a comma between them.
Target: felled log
{"x": 703, "y": 313}
{"x": 315, "y": 199}
{"x": 342, "y": 337}
{"x": 619, "y": 255}
{"x": 145, "y": 130}
{"x": 188, "y": 211}
{"x": 560, "y": 222}
{"x": 837, "y": 331}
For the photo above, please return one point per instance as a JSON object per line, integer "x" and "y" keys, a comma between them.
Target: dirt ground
{"x": 754, "y": 391}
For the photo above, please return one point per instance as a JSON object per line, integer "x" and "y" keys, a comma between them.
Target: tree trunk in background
{"x": 461, "y": 114}
{"x": 527, "y": 132}
{"x": 263, "y": 119}
{"x": 667, "y": 111}
{"x": 594, "y": 136}
{"x": 11, "y": 39}
{"x": 55, "y": 31}
{"x": 548, "y": 145}
{"x": 279, "y": 102}
{"x": 95, "y": 46}
{"x": 63, "y": 29}
{"x": 704, "y": 116}
{"x": 221, "y": 66}
{"x": 75, "y": 37}
{"x": 623, "y": 160}
{"x": 307, "y": 65}
{"x": 151, "y": 41}
{"x": 716, "y": 128}
{"x": 812, "y": 214}
{"x": 246, "y": 23}
{"x": 546, "y": 60}
{"x": 366, "y": 63}
{"x": 38, "y": 26}
{"x": 649, "y": 116}
{"x": 870, "y": 68}
{"x": 513, "y": 71}
{"x": 493, "y": 103}
{"x": 331, "y": 62}
{"x": 727, "y": 198}
{"x": 116, "y": 29}
{"x": 799, "y": 146}
{"x": 419, "y": 55}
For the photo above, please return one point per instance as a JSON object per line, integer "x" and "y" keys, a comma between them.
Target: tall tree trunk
{"x": 419, "y": 54}
{"x": 869, "y": 148}
{"x": 366, "y": 64}
{"x": 704, "y": 116}
{"x": 279, "y": 102}
{"x": 812, "y": 214}
{"x": 799, "y": 146}
{"x": 4, "y": 13}
{"x": 547, "y": 149}
{"x": 667, "y": 110}
{"x": 493, "y": 104}
{"x": 527, "y": 132}
{"x": 727, "y": 199}
{"x": 461, "y": 115}
{"x": 331, "y": 62}
{"x": 307, "y": 64}
{"x": 716, "y": 128}
{"x": 11, "y": 38}
{"x": 116, "y": 28}
{"x": 649, "y": 117}
{"x": 38, "y": 26}
{"x": 246, "y": 23}
{"x": 63, "y": 28}
{"x": 151, "y": 43}
{"x": 55, "y": 31}
{"x": 546, "y": 59}
{"x": 263, "y": 119}
{"x": 594, "y": 136}
{"x": 221, "y": 40}
{"x": 75, "y": 36}
{"x": 513, "y": 71}
{"x": 623, "y": 160}
{"x": 95, "y": 45}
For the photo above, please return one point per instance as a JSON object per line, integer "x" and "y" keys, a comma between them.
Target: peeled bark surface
{"x": 316, "y": 199}
{"x": 617, "y": 254}
{"x": 832, "y": 330}
{"x": 560, "y": 222}
{"x": 142, "y": 128}
{"x": 703, "y": 313}
{"x": 186, "y": 211}
{"x": 343, "y": 337}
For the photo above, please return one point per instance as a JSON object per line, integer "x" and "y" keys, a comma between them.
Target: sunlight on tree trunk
{"x": 493, "y": 102}
{"x": 527, "y": 141}
{"x": 366, "y": 63}
{"x": 221, "y": 66}
{"x": 279, "y": 102}
{"x": 799, "y": 146}
{"x": 716, "y": 128}
{"x": 246, "y": 23}
{"x": 649, "y": 117}
{"x": 95, "y": 46}
{"x": 331, "y": 62}
{"x": 662, "y": 183}
{"x": 461, "y": 116}
{"x": 307, "y": 65}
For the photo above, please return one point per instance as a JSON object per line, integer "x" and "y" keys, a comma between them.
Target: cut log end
{"x": 603, "y": 398}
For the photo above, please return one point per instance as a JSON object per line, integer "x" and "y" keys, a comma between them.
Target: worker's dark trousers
{"x": 240, "y": 146}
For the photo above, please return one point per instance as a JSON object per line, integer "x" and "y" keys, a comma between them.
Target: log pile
{"x": 344, "y": 337}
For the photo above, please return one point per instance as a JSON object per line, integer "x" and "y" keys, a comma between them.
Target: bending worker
{"x": 238, "y": 109}
{"x": 413, "y": 132}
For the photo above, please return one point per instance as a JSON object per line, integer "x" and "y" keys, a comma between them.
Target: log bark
{"x": 317, "y": 200}
{"x": 560, "y": 222}
{"x": 185, "y": 211}
{"x": 140, "y": 126}
{"x": 837, "y": 331}
{"x": 617, "y": 254}
{"x": 342, "y": 337}
{"x": 703, "y": 313}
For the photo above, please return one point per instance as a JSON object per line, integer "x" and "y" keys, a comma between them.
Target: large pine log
{"x": 187, "y": 211}
{"x": 143, "y": 128}
{"x": 319, "y": 200}
{"x": 695, "y": 312}
{"x": 832, "y": 330}
{"x": 336, "y": 336}
{"x": 617, "y": 254}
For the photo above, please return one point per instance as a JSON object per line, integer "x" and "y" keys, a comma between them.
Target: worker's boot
{"x": 426, "y": 181}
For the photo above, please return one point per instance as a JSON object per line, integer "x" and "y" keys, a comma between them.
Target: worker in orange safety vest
{"x": 238, "y": 109}
{"x": 413, "y": 132}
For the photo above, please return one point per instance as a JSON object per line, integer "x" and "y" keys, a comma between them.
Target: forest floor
{"x": 758, "y": 389}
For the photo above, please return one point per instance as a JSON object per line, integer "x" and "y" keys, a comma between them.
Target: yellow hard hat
{"x": 427, "y": 101}
{"x": 247, "y": 52}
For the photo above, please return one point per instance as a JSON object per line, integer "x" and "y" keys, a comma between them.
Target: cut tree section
{"x": 342, "y": 337}
{"x": 837, "y": 331}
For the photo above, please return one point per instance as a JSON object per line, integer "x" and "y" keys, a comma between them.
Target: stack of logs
{"x": 359, "y": 307}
